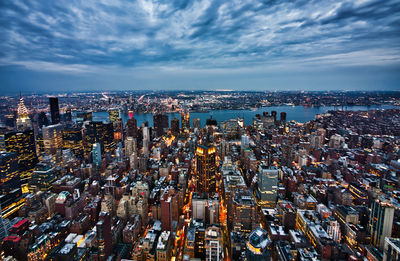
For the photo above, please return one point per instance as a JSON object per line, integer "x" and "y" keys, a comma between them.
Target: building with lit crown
{"x": 206, "y": 169}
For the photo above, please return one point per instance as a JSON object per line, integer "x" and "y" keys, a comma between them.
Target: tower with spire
{"x": 23, "y": 120}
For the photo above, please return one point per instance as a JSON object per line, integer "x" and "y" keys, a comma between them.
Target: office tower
{"x": 23, "y": 120}
{"x": 213, "y": 244}
{"x": 23, "y": 144}
{"x": 52, "y": 138}
{"x": 160, "y": 124}
{"x": 72, "y": 139}
{"x": 185, "y": 119}
{"x": 245, "y": 141}
{"x": 267, "y": 185}
{"x": 54, "y": 110}
{"x": 391, "y": 250}
{"x": 99, "y": 132}
{"x": 96, "y": 153}
{"x": 42, "y": 178}
{"x": 381, "y": 221}
{"x": 283, "y": 117}
{"x": 130, "y": 146}
{"x": 244, "y": 212}
{"x": 175, "y": 126}
{"x": 166, "y": 211}
{"x": 42, "y": 120}
{"x": 118, "y": 130}
{"x": 104, "y": 235}
{"x": 10, "y": 185}
{"x": 196, "y": 123}
{"x": 206, "y": 169}
{"x": 113, "y": 115}
{"x": 257, "y": 246}
{"x": 131, "y": 126}
{"x": 273, "y": 114}
{"x": 68, "y": 115}
{"x": 146, "y": 141}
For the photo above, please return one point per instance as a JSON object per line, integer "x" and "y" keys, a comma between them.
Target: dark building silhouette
{"x": 54, "y": 110}
{"x": 175, "y": 126}
{"x": 160, "y": 124}
{"x": 104, "y": 235}
{"x": 43, "y": 120}
{"x": 131, "y": 127}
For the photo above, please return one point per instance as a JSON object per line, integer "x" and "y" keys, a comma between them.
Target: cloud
{"x": 72, "y": 36}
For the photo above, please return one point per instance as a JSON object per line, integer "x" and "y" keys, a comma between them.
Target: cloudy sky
{"x": 68, "y": 45}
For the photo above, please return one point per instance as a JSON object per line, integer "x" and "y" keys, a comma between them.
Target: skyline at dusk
{"x": 199, "y": 45}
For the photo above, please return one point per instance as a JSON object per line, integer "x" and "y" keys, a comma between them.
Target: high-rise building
{"x": 206, "y": 169}
{"x": 96, "y": 153}
{"x": 23, "y": 120}
{"x": 267, "y": 185}
{"x": 10, "y": 185}
{"x": 52, "y": 138}
{"x": 213, "y": 244}
{"x": 104, "y": 235}
{"x": 381, "y": 221}
{"x": 257, "y": 245}
{"x": 245, "y": 141}
{"x": 72, "y": 139}
{"x": 185, "y": 119}
{"x": 42, "y": 120}
{"x": 130, "y": 146}
{"x": 131, "y": 126}
{"x": 196, "y": 123}
{"x": 160, "y": 124}
{"x": 23, "y": 144}
{"x": 391, "y": 250}
{"x": 42, "y": 178}
{"x": 54, "y": 110}
{"x": 113, "y": 115}
{"x": 99, "y": 132}
{"x": 283, "y": 117}
{"x": 175, "y": 126}
{"x": 68, "y": 115}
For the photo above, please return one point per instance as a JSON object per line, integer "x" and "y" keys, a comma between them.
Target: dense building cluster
{"x": 75, "y": 188}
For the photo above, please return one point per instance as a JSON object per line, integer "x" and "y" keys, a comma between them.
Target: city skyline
{"x": 117, "y": 45}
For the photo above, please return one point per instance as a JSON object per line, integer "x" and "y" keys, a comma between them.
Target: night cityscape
{"x": 191, "y": 130}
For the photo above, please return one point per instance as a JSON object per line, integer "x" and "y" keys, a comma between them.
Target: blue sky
{"x": 69, "y": 45}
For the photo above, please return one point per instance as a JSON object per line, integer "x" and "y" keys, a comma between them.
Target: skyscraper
{"x": 72, "y": 139}
{"x": 52, "y": 138}
{"x": 267, "y": 185}
{"x": 23, "y": 144}
{"x": 104, "y": 235}
{"x": 131, "y": 126}
{"x": 99, "y": 132}
{"x": 160, "y": 124}
{"x": 10, "y": 185}
{"x": 175, "y": 126}
{"x": 23, "y": 120}
{"x": 96, "y": 153}
{"x": 113, "y": 115}
{"x": 381, "y": 221}
{"x": 42, "y": 178}
{"x": 196, "y": 123}
{"x": 54, "y": 110}
{"x": 206, "y": 169}
{"x": 185, "y": 119}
